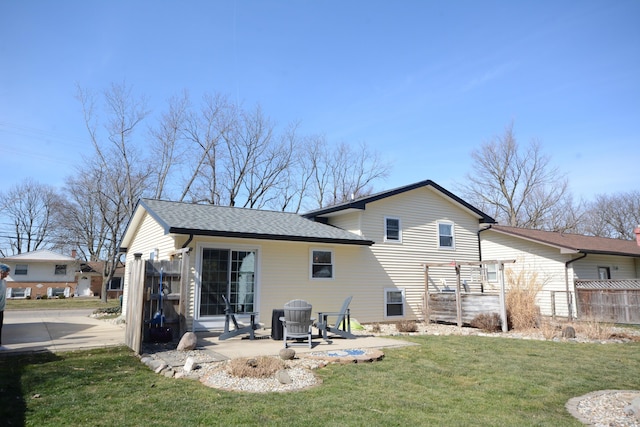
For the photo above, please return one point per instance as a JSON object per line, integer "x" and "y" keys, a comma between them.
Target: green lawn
{"x": 445, "y": 380}
{"x": 59, "y": 304}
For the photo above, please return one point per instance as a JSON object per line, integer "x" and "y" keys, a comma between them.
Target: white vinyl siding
{"x": 531, "y": 258}
{"x": 399, "y": 266}
{"x": 619, "y": 267}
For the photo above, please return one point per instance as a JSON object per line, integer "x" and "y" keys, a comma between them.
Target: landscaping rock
{"x": 189, "y": 341}
{"x": 189, "y": 365}
{"x": 568, "y": 332}
{"x": 283, "y": 377}
{"x": 287, "y": 354}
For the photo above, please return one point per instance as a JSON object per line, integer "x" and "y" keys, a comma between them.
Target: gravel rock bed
{"x": 605, "y": 408}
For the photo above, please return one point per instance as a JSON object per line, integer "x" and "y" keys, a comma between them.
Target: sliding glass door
{"x": 230, "y": 273}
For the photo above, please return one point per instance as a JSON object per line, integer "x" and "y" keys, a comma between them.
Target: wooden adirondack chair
{"x": 230, "y": 316}
{"x": 342, "y": 325}
{"x": 297, "y": 322}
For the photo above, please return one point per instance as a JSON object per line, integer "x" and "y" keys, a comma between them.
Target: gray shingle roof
{"x": 212, "y": 220}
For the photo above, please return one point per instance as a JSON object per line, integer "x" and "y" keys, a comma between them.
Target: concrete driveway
{"x": 27, "y": 331}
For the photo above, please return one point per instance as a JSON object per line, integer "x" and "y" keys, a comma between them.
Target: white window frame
{"x": 491, "y": 270}
{"x": 21, "y": 270}
{"x": 453, "y": 236}
{"x": 332, "y": 264}
{"x": 387, "y": 302}
{"x": 386, "y": 230}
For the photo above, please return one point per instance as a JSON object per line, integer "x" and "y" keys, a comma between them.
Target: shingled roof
{"x": 575, "y": 243}
{"x": 223, "y": 221}
{"x": 361, "y": 203}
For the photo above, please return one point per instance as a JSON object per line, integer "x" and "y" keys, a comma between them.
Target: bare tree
{"x": 342, "y": 172}
{"x": 31, "y": 209}
{"x": 517, "y": 185}
{"x": 614, "y": 215}
{"x": 117, "y": 174}
{"x": 204, "y": 130}
{"x": 166, "y": 154}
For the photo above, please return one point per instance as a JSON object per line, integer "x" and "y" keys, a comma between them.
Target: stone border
{"x": 572, "y": 404}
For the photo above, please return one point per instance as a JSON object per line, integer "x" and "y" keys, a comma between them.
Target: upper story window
{"x": 392, "y": 232}
{"x": 321, "y": 264}
{"x": 446, "y": 238}
{"x": 21, "y": 269}
{"x": 61, "y": 269}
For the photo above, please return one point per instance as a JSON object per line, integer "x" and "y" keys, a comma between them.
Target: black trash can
{"x": 277, "y": 332}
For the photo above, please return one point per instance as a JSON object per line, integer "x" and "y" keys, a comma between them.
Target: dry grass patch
{"x": 407, "y": 326}
{"x": 523, "y": 288}
{"x": 593, "y": 329}
{"x": 255, "y": 367}
{"x": 488, "y": 322}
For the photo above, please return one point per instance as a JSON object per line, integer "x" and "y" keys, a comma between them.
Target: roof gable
{"x": 360, "y": 204}
{"x": 43, "y": 255}
{"x": 223, "y": 221}
{"x": 572, "y": 243}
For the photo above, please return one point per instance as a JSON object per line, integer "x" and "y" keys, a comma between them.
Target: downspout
{"x": 566, "y": 283}
{"x": 188, "y": 241}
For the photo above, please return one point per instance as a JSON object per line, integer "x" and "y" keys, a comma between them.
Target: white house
{"x": 371, "y": 248}
{"x": 559, "y": 259}
{"x": 39, "y": 273}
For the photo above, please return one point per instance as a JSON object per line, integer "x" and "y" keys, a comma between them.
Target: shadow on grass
{"x": 13, "y": 406}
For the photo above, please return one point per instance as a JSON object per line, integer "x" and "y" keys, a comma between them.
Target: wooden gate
{"x": 615, "y": 301}
{"x": 143, "y": 301}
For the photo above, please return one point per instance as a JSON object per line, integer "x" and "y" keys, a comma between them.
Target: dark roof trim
{"x": 237, "y": 235}
{"x": 360, "y": 204}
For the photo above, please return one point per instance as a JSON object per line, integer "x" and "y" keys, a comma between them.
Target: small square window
{"x": 115, "y": 284}
{"x": 492, "y": 272}
{"x": 392, "y": 231}
{"x": 445, "y": 235}
{"x": 394, "y": 302}
{"x": 21, "y": 270}
{"x": 61, "y": 269}
{"x": 321, "y": 264}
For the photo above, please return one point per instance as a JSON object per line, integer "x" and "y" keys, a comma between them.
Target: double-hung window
{"x": 21, "y": 270}
{"x": 446, "y": 238}
{"x": 61, "y": 269}
{"x": 321, "y": 264}
{"x": 393, "y": 302}
{"x": 392, "y": 231}
{"x": 492, "y": 272}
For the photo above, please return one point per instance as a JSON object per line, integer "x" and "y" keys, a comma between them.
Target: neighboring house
{"x": 90, "y": 280}
{"x": 559, "y": 259}
{"x": 39, "y": 273}
{"x": 371, "y": 248}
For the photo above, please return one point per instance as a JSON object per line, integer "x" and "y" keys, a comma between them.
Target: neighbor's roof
{"x": 43, "y": 255}
{"x": 223, "y": 221}
{"x": 360, "y": 203}
{"x": 573, "y": 243}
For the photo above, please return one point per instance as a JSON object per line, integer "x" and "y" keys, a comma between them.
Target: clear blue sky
{"x": 422, "y": 82}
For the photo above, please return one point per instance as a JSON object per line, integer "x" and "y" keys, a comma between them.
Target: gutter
{"x": 566, "y": 283}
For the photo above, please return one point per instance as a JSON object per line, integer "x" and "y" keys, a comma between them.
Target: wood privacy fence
{"x": 616, "y": 301}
